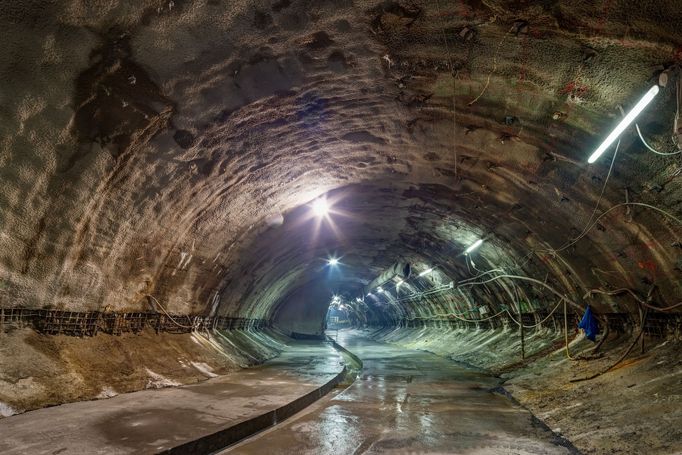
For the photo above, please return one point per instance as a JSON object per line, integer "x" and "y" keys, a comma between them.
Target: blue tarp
{"x": 589, "y": 324}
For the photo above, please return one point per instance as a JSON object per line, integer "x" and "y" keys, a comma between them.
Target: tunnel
{"x": 340, "y": 227}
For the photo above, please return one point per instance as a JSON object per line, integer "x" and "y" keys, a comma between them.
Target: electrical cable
{"x": 481, "y": 275}
{"x": 639, "y": 132}
{"x": 539, "y": 323}
{"x": 492, "y": 71}
{"x": 622, "y": 357}
{"x": 596, "y": 206}
{"x": 526, "y": 278}
{"x": 636, "y": 297}
{"x": 169, "y": 316}
{"x": 639, "y": 204}
{"x": 457, "y": 316}
{"x": 568, "y": 352}
{"x": 677, "y": 118}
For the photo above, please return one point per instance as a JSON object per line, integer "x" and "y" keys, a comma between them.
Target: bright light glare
{"x": 380, "y": 289}
{"x": 370, "y": 294}
{"x": 426, "y": 272}
{"x": 333, "y": 261}
{"x": 473, "y": 246}
{"x": 320, "y": 207}
{"x": 627, "y": 120}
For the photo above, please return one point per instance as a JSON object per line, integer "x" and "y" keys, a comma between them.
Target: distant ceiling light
{"x": 627, "y": 120}
{"x": 369, "y": 294}
{"x": 426, "y": 272}
{"x": 333, "y": 261}
{"x": 380, "y": 289}
{"x": 320, "y": 207}
{"x": 473, "y": 246}
{"x": 358, "y": 299}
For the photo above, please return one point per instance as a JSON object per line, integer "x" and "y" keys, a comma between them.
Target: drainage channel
{"x": 408, "y": 401}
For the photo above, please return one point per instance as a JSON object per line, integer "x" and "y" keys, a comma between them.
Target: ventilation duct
{"x": 400, "y": 270}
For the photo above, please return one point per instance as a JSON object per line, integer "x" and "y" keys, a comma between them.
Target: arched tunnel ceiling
{"x": 171, "y": 148}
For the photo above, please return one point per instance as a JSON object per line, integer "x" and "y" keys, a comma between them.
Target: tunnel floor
{"x": 151, "y": 421}
{"x": 408, "y": 401}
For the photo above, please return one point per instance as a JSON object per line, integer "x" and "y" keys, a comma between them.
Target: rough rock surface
{"x": 170, "y": 148}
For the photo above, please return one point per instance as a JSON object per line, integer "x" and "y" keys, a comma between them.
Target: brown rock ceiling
{"x": 172, "y": 148}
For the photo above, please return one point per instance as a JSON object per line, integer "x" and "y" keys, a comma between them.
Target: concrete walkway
{"x": 408, "y": 402}
{"x": 151, "y": 421}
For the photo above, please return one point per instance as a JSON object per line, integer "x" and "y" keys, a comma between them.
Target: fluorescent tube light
{"x": 426, "y": 272}
{"x": 627, "y": 120}
{"x": 473, "y": 246}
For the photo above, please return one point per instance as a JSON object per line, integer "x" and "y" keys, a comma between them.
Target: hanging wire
{"x": 596, "y": 206}
{"x": 639, "y": 132}
{"x": 171, "y": 317}
{"x": 677, "y": 118}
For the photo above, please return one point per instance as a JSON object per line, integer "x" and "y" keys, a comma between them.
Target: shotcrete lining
{"x": 151, "y": 150}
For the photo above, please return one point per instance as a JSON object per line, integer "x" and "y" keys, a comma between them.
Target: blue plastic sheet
{"x": 589, "y": 324}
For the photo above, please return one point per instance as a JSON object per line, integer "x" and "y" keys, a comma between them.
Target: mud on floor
{"x": 38, "y": 370}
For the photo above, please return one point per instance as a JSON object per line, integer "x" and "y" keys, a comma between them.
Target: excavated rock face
{"x": 172, "y": 149}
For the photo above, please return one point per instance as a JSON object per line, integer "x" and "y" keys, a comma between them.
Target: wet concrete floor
{"x": 150, "y": 421}
{"x": 408, "y": 402}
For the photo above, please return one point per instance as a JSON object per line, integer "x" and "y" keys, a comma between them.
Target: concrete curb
{"x": 221, "y": 439}
{"x": 338, "y": 347}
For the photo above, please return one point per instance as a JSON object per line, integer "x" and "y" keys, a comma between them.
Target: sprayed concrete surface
{"x": 171, "y": 149}
{"x": 408, "y": 401}
{"x": 153, "y": 420}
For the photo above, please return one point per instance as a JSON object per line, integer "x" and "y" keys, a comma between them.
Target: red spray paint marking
{"x": 677, "y": 55}
{"x": 464, "y": 10}
{"x": 576, "y": 88}
{"x": 604, "y": 16}
{"x": 536, "y": 33}
{"x": 650, "y": 267}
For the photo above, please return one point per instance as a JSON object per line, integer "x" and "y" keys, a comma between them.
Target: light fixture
{"x": 426, "y": 272}
{"x": 332, "y": 261}
{"x": 473, "y": 246}
{"x": 380, "y": 289}
{"x": 627, "y": 120}
{"x": 358, "y": 299}
{"x": 369, "y": 294}
{"x": 320, "y": 207}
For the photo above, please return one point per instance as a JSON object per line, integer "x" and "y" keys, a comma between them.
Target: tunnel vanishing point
{"x": 340, "y": 226}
